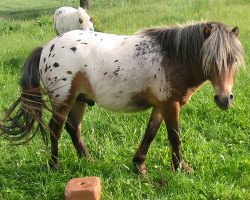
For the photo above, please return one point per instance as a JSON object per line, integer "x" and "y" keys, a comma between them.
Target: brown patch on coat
{"x": 81, "y": 85}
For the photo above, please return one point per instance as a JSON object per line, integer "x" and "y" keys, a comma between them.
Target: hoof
{"x": 186, "y": 168}
{"x": 90, "y": 158}
{"x": 54, "y": 165}
{"x": 182, "y": 166}
{"x": 141, "y": 169}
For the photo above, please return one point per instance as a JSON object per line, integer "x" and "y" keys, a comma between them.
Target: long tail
{"x": 19, "y": 122}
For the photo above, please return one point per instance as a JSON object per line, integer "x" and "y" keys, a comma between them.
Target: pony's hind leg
{"x": 73, "y": 126}
{"x": 55, "y": 126}
{"x": 152, "y": 128}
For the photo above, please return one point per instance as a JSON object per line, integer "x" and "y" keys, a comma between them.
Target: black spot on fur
{"x": 84, "y": 43}
{"x": 105, "y": 73}
{"x": 116, "y": 71}
{"x": 116, "y": 60}
{"x": 44, "y": 60}
{"x": 69, "y": 72}
{"x": 49, "y": 54}
{"x": 46, "y": 68}
{"x": 56, "y": 64}
{"x": 60, "y": 35}
{"x": 85, "y": 65}
{"x": 57, "y": 95}
{"x": 64, "y": 79}
{"x": 53, "y": 55}
{"x": 80, "y": 20}
{"x": 73, "y": 49}
{"x": 55, "y": 78}
{"x": 63, "y": 47}
{"x": 155, "y": 76}
{"x": 78, "y": 40}
{"x": 52, "y": 47}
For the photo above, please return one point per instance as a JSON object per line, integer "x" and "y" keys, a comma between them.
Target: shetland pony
{"x": 158, "y": 68}
{"x": 68, "y": 19}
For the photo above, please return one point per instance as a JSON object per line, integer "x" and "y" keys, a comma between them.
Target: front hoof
{"x": 141, "y": 169}
{"x": 184, "y": 167}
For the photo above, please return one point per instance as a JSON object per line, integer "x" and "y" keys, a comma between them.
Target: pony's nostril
{"x": 231, "y": 96}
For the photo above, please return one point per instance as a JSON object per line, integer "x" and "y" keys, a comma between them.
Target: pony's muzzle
{"x": 224, "y": 102}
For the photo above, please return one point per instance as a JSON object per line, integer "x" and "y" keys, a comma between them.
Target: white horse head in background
{"x": 68, "y": 19}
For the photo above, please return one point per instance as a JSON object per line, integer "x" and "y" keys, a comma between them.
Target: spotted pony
{"x": 68, "y": 19}
{"x": 158, "y": 68}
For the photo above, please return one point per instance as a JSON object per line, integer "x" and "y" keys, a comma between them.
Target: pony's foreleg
{"x": 171, "y": 117}
{"x": 152, "y": 128}
{"x": 73, "y": 126}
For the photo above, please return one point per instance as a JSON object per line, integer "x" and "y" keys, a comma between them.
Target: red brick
{"x": 88, "y": 188}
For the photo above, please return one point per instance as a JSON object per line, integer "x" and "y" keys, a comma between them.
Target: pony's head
{"x": 221, "y": 53}
{"x": 85, "y": 20}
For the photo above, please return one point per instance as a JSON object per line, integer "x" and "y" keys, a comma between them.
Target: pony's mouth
{"x": 223, "y": 103}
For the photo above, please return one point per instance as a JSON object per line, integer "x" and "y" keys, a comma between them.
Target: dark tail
{"x": 19, "y": 122}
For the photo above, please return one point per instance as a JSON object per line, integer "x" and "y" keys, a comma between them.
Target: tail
{"x": 18, "y": 124}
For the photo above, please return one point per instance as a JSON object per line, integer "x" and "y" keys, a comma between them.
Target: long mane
{"x": 187, "y": 43}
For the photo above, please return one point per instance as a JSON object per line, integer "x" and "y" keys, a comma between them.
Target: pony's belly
{"x": 123, "y": 102}
{"x": 130, "y": 107}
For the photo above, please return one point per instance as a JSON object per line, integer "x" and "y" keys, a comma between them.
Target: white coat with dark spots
{"x": 123, "y": 71}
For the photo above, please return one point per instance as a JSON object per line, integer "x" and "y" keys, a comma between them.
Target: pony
{"x": 68, "y": 19}
{"x": 158, "y": 68}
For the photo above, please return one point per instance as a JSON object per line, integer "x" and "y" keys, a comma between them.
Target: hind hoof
{"x": 53, "y": 165}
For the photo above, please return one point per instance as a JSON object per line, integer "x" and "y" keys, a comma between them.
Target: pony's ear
{"x": 236, "y": 31}
{"x": 206, "y": 31}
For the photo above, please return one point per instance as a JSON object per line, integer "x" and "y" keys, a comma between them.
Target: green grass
{"x": 216, "y": 144}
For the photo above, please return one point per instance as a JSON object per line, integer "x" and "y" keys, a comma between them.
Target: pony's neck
{"x": 196, "y": 75}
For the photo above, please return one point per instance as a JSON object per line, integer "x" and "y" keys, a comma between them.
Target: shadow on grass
{"x": 27, "y": 14}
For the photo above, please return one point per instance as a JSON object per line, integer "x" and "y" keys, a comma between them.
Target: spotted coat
{"x": 119, "y": 68}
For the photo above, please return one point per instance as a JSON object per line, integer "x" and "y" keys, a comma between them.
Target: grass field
{"x": 216, "y": 144}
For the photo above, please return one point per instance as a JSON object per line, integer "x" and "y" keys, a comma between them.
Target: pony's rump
{"x": 20, "y": 118}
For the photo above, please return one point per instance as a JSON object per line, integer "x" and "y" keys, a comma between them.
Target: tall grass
{"x": 215, "y": 143}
